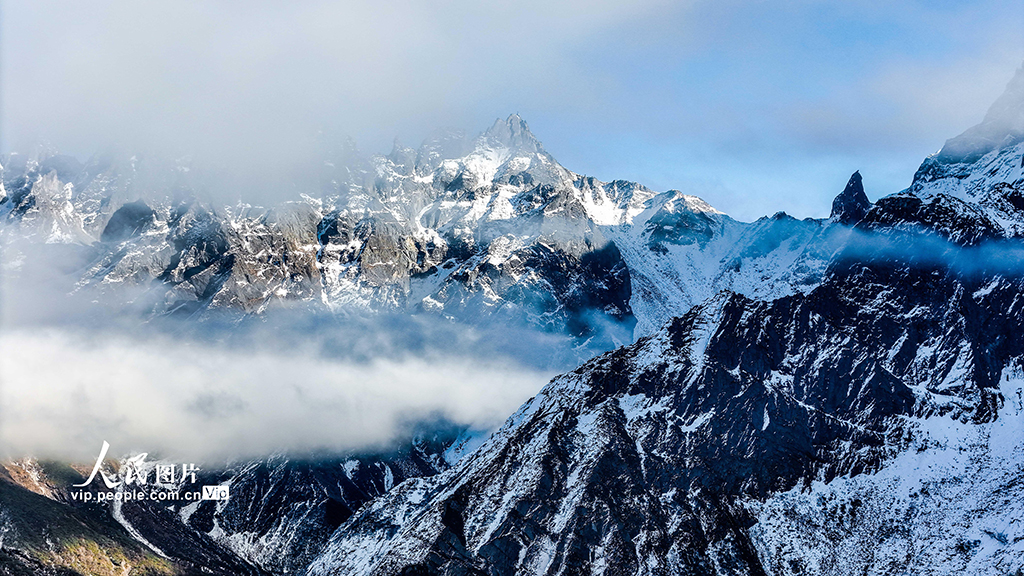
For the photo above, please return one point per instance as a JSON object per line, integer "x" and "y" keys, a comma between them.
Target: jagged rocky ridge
{"x": 490, "y": 228}
{"x": 651, "y": 458}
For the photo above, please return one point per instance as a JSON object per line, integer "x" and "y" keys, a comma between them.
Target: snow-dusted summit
{"x": 972, "y": 189}
{"x": 488, "y": 228}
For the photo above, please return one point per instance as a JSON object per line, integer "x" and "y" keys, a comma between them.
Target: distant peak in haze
{"x": 513, "y": 133}
{"x": 1003, "y": 126}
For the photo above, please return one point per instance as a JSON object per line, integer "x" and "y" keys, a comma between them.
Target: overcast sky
{"x": 756, "y": 106}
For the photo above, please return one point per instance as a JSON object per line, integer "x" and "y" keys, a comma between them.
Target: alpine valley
{"x": 818, "y": 396}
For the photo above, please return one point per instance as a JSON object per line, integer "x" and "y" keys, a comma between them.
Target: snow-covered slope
{"x": 655, "y": 458}
{"x": 679, "y": 254}
{"x": 949, "y": 504}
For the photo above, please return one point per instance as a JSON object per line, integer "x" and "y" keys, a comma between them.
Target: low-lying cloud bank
{"x": 66, "y": 391}
{"x": 82, "y": 364}
{"x": 76, "y": 370}
{"x": 920, "y": 248}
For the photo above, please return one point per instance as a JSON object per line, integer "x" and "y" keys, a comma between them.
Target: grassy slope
{"x": 39, "y": 535}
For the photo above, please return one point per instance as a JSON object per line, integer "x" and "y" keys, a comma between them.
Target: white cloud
{"x": 262, "y": 77}
{"x": 64, "y": 392}
{"x": 739, "y": 92}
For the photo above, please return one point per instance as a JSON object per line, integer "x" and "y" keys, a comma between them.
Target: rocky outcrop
{"x": 852, "y": 204}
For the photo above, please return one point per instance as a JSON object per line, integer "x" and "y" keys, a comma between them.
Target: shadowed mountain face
{"x": 653, "y": 458}
{"x": 791, "y": 397}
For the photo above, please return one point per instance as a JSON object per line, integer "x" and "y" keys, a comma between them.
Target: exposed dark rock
{"x": 852, "y": 204}
{"x": 127, "y": 222}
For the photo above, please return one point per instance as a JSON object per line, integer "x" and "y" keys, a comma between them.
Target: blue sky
{"x": 756, "y": 106}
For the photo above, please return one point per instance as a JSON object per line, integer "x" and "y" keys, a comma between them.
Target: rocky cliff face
{"x": 645, "y": 459}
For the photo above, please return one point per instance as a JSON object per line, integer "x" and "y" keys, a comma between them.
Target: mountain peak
{"x": 1003, "y": 126}
{"x": 513, "y": 133}
{"x": 851, "y": 205}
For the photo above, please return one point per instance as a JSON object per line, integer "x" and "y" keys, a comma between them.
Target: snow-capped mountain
{"x": 826, "y": 396}
{"x": 479, "y": 230}
{"x": 488, "y": 228}
{"x": 693, "y": 450}
{"x": 870, "y": 424}
{"x": 970, "y": 190}
{"x": 842, "y": 428}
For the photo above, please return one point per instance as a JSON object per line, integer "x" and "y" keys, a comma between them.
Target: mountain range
{"x": 817, "y": 396}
